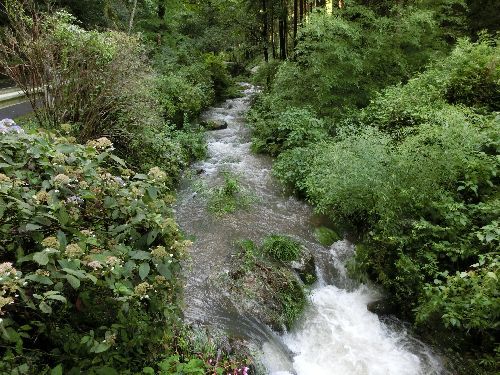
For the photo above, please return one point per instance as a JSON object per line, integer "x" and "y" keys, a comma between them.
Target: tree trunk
{"x": 295, "y": 21}
{"x": 265, "y": 32}
{"x": 132, "y": 16}
{"x": 283, "y": 29}
{"x": 301, "y": 10}
{"x": 273, "y": 33}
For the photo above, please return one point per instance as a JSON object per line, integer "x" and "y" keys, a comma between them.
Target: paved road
{"x": 16, "y": 107}
{"x": 16, "y": 110}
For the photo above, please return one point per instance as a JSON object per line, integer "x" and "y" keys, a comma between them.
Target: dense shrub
{"x": 469, "y": 76}
{"x": 106, "y": 89}
{"x": 343, "y": 59}
{"x": 416, "y": 172}
{"x": 185, "y": 90}
{"x": 275, "y": 132}
{"x": 90, "y": 257}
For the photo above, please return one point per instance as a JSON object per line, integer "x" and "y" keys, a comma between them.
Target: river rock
{"x": 305, "y": 267}
{"x": 267, "y": 290}
{"x": 381, "y": 307}
{"x": 214, "y": 125}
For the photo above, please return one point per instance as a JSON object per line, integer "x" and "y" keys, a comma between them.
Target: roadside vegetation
{"x": 90, "y": 253}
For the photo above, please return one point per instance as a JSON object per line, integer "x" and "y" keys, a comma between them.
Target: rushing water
{"x": 337, "y": 334}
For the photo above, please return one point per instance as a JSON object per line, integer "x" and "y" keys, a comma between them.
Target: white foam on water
{"x": 340, "y": 336}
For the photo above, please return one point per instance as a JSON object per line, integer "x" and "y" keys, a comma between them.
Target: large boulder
{"x": 267, "y": 289}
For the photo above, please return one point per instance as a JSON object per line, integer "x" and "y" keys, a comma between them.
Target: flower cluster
{"x": 4, "y": 178}
{"x": 74, "y": 199}
{"x": 112, "y": 261}
{"x": 61, "y": 179}
{"x": 59, "y": 158}
{"x": 159, "y": 252}
{"x": 157, "y": 174}
{"x": 101, "y": 144}
{"x": 95, "y": 265}
{"x": 9, "y": 126}
{"x": 51, "y": 242}
{"x": 6, "y": 269}
{"x": 73, "y": 250}
{"x": 41, "y": 197}
{"x": 4, "y": 301}
{"x": 142, "y": 289}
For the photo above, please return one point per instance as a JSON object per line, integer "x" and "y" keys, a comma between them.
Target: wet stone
{"x": 214, "y": 124}
{"x": 305, "y": 267}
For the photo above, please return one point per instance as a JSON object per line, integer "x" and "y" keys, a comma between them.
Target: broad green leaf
{"x": 39, "y": 279}
{"x": 63, "y": 216}
{"x": 144, "y": 270}
{"x": 45, "y": 308}
{"x": 78, "y": 273}
{"x": 118, "y": 160}
{"x": 32, "y": 227}
{"x": 164, "y": 270}
{"x": 58, "y": 370}
{"x": 101, "y": 347}
{"x": 140, "y": 255}
{"x": 106, "y": 371}
{"x": 57, "y": 297}
{"x": 74, "y": 281}
{"x": 122, "y": 289}
{"x": 41, "y": 258}
{"x": 152, "y": 192}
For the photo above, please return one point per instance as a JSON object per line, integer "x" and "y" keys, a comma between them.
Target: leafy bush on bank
{"x": 103, "y": 84}
{"x": 416, "y": 172}
{"x": 90, "y": 256}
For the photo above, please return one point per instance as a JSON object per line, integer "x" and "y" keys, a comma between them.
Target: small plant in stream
{"x": 282, "y": 248}
{"x": 229, "y": 197}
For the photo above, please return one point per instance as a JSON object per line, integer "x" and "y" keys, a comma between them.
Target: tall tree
{"x": 295, "y": 20}
{"x": 265, "y": 30}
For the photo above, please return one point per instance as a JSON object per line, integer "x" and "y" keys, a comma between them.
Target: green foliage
{"x": 467, "y": 300}
{"x": 326, "y": 236}
{"x": 417, "y": 171}
{"x": 342, "y": 59}
{"x": 282, "y": 248}
{"x": 229, "y": 197}
{"x": 275, "y": 132}
{"x": 122, "y": 106}
{"x": 90, "y": 256}
{"x": 182, "y": 98}
{"x": 185, "y": 90}
{"x": 209, "y": 359}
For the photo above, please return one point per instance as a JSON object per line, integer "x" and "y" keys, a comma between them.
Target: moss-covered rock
{"x": 270, "y": 290}
{"x": 326, "y": 236}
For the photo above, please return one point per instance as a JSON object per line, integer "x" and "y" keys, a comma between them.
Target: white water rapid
{"x": 337, "y": 335}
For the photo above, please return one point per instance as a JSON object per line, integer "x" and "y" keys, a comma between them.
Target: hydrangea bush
{"x": 89, "y": 255}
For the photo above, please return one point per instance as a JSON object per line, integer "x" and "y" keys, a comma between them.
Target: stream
{"x": 336, "y": 335}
